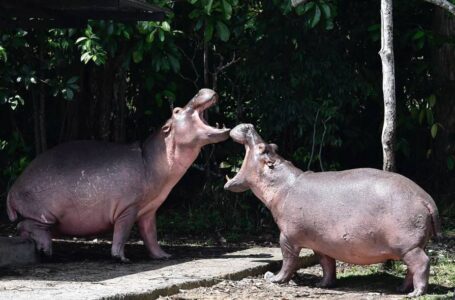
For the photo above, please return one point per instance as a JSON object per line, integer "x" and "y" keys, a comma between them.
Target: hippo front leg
{"x": 122, "y": 230}
{"x": 147, "y": 229}
{"x": 290, "y": 261}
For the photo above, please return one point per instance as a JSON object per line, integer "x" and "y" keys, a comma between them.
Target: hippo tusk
{"x": 227, "y": 178}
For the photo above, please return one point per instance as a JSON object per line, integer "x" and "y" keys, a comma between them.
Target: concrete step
{"x": 143, "y": 280}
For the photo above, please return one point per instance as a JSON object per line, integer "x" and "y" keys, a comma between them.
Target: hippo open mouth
{"x": 203, "y": 100}
{"x": 243, "y": 134}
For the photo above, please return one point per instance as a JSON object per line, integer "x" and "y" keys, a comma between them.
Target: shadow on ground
{"x": 380, "y": 282}
{"x": 91, "y": 262}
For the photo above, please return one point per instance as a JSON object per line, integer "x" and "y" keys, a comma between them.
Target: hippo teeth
{"x": 224, "y": 126}
{"x": 217, "y": 125}
{"x": 227, "y": 178}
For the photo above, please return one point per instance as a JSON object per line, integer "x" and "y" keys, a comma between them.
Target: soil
{"x": 354, "y": 282}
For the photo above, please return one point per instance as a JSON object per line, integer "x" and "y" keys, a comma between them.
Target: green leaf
{"x": 224, "y": 165}
{"x": 308, "y": 6}
{"x": 165, "y": 26}
{"x": 418, "y": 35}
{"x": 137, "y": 56}
{"x": 199, "y": 24}
{"x": 432, "y": 100}
{"x": 161, "y": 35}
{"x": 81, "y": 39}
{"x": 329, "y": 24}
{"x": 208, "y": 7}
{"x": 326, "y": 10}
{"x": 316, "y": 17}
{"x": 223, "y": 31}
{"x": 151, "y": 37}
{"x": 208, "y": 32}
{"x": 69, "y": 94}
{"x": 450, "y": 163}
{"x": 227, "y": 9}
{"x": 72, "y": 80}
{"x": 434, "y": 130}
{"x": 110, "y": 28}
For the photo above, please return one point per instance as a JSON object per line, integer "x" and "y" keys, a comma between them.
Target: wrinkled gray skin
{"x": 85, "y": 188}
{"x": 360, "y": 216}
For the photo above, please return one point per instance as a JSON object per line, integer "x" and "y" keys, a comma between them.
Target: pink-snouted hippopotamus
{"x": 360, "y": 216}
{"x": 85, "y": 188}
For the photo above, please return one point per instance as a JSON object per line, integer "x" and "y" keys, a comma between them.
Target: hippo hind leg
{"x": 328, "y": 265}
{"x": 39, "y": 233}
{"x": 419, "y": 267}
{"x": 407, "y": 283}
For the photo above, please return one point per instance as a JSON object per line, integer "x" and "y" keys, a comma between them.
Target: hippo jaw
{"x": 188, "y": 125}
{"x": 203, "y": 100}
{"x": 238, "y": 183}
{"x": 243, "y": 134}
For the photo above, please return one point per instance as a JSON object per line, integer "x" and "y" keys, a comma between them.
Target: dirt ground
{"x": 354, "y": 282}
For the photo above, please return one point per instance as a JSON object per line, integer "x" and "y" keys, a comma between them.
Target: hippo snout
{"x": 241, "y": 132}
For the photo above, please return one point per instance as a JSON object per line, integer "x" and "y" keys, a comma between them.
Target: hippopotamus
{"x": 359, "y": 216}
{"x": 84, "y": 188}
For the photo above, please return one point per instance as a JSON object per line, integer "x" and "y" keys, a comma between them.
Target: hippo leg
{"x": 290, "y": 261}
{"x": 407, "y": 284}
{"x": 419, "y": 266}
{"x": 122, "y": 230}
{"x": 147, "y": 229}
{"x": 39, "y": 233}
{"x": 328, "y": 265}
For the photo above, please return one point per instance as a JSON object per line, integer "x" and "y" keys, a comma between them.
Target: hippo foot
{"x": 403, "y": 289}
{"x": 325, "y": 283}
{"x": 160, "y": 255}
{"x": 45, "y": 250}
{"x": 278, "y": 278}
{"x": 415, "y": 293}
{"x": 122, "y": 259}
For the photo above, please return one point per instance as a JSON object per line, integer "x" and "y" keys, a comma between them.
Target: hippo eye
{"x": 177, "y": 110}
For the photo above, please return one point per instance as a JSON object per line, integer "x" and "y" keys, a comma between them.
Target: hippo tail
{"x": 12, "y": 214}
{"x": 435, "y": 221}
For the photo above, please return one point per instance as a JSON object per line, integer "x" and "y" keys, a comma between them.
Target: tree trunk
{"x": 388, "y": 86}
{"x": 119, "y": 99}
{"x": 444, "y": 75}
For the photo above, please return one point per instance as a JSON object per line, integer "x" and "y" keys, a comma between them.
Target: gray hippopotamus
{"x": 85, "y": 188}
{"x": 360, "y": 216}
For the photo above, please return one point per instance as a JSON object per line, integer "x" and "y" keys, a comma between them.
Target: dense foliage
{"x": 309, "y": 78}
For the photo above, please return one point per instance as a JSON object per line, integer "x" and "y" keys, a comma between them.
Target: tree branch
{"x": 443, "y": 4}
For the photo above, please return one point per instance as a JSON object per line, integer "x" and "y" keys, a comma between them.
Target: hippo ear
{"x": 274, "y": 147}
{"x": 167, "y": 127}
{"x": 261, "y": 148}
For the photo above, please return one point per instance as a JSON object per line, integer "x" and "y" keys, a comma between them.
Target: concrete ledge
{"x": 146, "y": 280}
{"x": 15, "y": 251}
